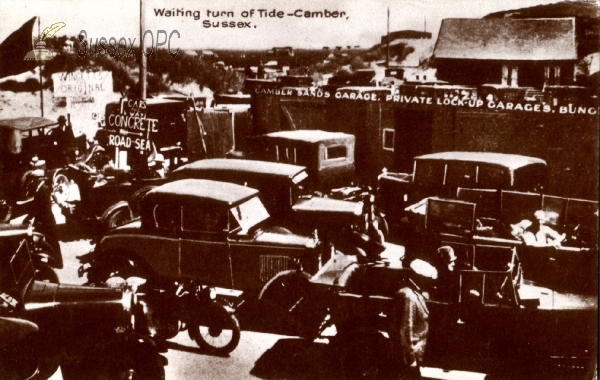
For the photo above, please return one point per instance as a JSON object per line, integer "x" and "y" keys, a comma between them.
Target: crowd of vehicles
{"x": 285, "y": 223}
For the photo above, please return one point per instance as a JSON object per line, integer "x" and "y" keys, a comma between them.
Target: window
{"x": 249, "y": 214}
{"x": 429, "y": 173}
{"x": 461, "y": 174}
{"x": 335, "y": 151}
{"x": 208, "y": 218}
{"x": 491, "y": 177}
{"x": 388, "y": 139}
{"x": 510, "y": 76}
{"x": 166, "y": 216}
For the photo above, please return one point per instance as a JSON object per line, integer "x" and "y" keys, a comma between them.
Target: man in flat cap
{"x": 410, "y": 320}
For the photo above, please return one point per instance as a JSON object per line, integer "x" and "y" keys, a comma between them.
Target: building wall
{"x": 478, "y": 72}
{"x": 569, "y": 143}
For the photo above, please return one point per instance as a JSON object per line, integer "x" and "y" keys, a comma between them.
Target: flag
{"x": 14, "y": 48}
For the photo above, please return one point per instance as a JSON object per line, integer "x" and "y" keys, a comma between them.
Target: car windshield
{"x": 249, "y": 214}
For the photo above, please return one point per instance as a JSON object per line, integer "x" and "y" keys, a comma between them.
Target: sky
{"x": 363, "y": 22}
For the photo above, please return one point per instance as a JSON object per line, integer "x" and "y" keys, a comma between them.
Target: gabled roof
{"x": 507, "y": 39}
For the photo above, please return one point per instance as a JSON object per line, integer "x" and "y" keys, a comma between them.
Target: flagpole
{"x": 41, "y": 83}
{"x": 143, "y": 73}
{"x": 387, "y": 52}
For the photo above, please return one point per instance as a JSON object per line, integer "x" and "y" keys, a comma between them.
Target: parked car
{"x": 571, "y": 265}
{"x": 441, "y": 174}
{"x": 491, "y": 314}
{"x": 283, "y": 191}
{"x": 216, "y": 233}
{"x": 23, "y": 140}
{"x": 87, "y": 331}
{"x": 327, "y": 156}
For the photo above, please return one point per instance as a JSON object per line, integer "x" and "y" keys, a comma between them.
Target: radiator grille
{"x": 270, "y": 265}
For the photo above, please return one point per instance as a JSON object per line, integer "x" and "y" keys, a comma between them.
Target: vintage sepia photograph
{"x": 336, "y": 189}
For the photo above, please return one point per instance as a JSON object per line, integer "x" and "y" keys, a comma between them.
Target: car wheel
{"x": 118, "y": 218}
{"x": 219, "y": 333}
{"x": 60, "y": 188}
{"x": 288, "y": 293}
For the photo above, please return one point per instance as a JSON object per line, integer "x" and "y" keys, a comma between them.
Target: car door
{"x": 204, "y": 252}
{"x": 159, "y": 246}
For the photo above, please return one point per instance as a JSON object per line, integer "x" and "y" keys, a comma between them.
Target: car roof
{"x": 263, "y": 168}
{"x": 511, "y": 161}
{"x": 223, "y": 192}
{"x": 27, "y": 123}
{"x": 309, "y": 135}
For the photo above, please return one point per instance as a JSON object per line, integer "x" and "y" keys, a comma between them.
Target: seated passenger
{"x": 537, "y": 233}
{"x": 157, "y": 166}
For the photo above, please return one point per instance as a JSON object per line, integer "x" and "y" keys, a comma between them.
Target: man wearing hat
{"x": 410, "y": 319}
{"x": 157, "y": 166}
{"x": 447, "y": 282}
{"x": 64, "y": 141}
{"x": 40, "y": 211}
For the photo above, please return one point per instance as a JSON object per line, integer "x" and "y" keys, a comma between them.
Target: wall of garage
{"x": 569, "y": 143}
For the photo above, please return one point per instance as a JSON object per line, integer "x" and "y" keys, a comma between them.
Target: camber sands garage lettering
{"x": 131, "y": 129}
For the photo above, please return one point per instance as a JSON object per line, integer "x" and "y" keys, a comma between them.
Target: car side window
{"x": 206, "y": 219}
{"x": 461, "y": 174}
{"x": 493, "y": 177}
{"x": 335, "y": 152}
{"x": 166, "y": 216}
{"x": 429, "y": 173}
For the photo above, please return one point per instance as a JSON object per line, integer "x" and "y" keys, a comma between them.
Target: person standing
{"x": 447, "y": 283}
{"x": 63, "y": 139}
{"x": 410, "y": 320}
{"x": 40, "y": 212}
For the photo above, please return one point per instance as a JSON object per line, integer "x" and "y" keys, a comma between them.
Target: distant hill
{"x": 586, "y": 13}
{"x": 586, "y": 9}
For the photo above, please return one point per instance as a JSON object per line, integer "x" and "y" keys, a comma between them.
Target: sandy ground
{"x": 84, "y": 118}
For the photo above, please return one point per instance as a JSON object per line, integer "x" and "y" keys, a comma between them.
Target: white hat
{"x": 158, "y": 158}
{"x": 423, "y": 268}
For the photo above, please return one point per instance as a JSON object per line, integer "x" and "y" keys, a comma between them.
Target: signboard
{"x": 83, "y": 90}
{"x": 81, "y": 84}
{"x": 130, "y": 128}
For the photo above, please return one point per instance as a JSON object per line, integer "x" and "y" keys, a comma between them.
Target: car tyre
{"x": 289, "y": 294}
{"x": 219, "y": 334}
{"x": 118, "y": 218}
